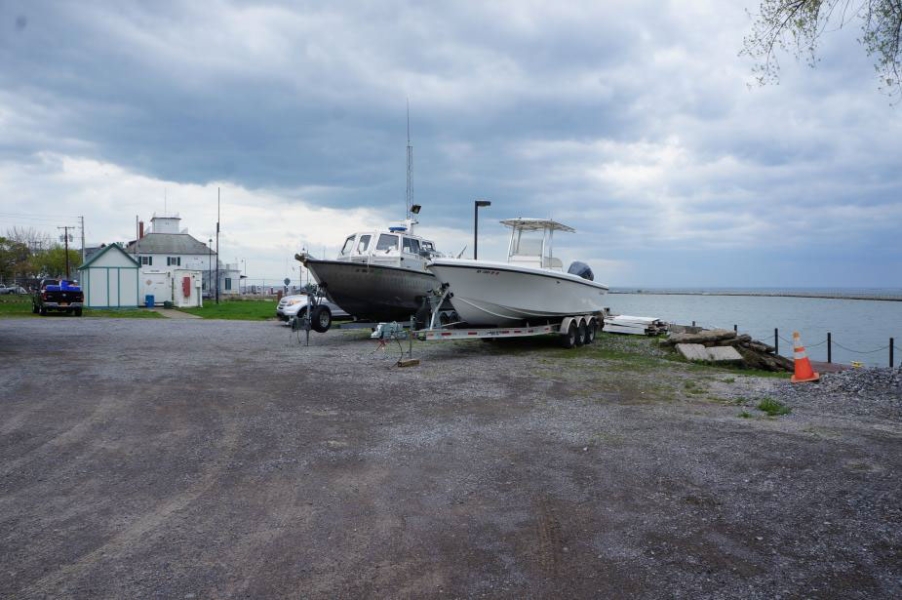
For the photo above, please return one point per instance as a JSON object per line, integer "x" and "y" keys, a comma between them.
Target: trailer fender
{"x": 565, "y": 325}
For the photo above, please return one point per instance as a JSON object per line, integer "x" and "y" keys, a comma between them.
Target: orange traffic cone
{"x": 803, "y": 369}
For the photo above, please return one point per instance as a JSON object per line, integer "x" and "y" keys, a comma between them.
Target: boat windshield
{"x": 411, "y": 246}
{"x": 387, "y": 242}
{"x": 528, "y": 243}
{"x": 349, "y": 243}
{"x": 363, "y": 243}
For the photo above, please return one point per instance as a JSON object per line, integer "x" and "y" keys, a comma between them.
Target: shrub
{"x": 773, "y": 407}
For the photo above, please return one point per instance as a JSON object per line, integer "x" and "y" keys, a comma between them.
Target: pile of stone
{"x": 870, "y": 392}
{"x": 723, "y": 345}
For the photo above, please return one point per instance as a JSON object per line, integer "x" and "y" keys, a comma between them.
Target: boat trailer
{"x": 574, "y": 330}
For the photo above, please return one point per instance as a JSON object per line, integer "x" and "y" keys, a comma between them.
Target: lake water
{"x": 860, "y": 329}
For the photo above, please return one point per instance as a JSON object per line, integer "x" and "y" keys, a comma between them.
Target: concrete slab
{"x": 723, "y": 354}
{"x": 171, "y": 313}
{"x": 714, "y": 354}
{"x": 692, "y": 351}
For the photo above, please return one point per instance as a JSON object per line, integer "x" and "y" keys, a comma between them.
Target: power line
{"x": 34, "y": 217}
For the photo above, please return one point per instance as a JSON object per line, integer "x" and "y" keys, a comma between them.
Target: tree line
{"x": 27, "y": 254}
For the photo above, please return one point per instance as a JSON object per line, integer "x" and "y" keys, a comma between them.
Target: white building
{"x": 165, "y": 249}
{"x": 109, "y": 279}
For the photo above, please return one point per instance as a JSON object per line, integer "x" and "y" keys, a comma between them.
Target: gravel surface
{"x": 213, "y": 459}
{"x": 873, "y": 393}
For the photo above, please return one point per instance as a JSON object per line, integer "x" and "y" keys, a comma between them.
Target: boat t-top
{"x": 378, "y": 275}
{"x": 531, "y": 287}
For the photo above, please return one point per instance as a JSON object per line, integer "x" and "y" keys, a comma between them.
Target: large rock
{"x": 765, "y": 362}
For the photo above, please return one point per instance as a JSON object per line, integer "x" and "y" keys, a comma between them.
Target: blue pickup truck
{"x": 59, "y": 295}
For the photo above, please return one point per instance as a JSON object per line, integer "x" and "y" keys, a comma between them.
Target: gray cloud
{"x": 632, "y": 120}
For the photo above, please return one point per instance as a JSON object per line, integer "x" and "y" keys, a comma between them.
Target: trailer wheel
{"x": 422, "y": 317}
{"x": 568, "y": 340}
{"x": 591, "y": 330}
{"x": 581, "y": 333}
{"x": 321, "y": 319}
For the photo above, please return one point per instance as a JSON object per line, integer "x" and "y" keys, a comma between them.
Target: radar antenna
{"x": 409, "y": 164}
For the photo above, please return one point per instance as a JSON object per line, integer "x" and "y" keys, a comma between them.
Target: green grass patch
{"x": 236, "y": 310}
{"x": 692, "y": 387}
{"x": 745, "y": 415}
{"x": 773, "y": 407}
{"x": 15, "y": 305}
{"x": 20, "y": 306}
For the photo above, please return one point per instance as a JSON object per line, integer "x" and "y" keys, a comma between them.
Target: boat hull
{"x": 373, "y": 292}
{"x": 499, "y": 294}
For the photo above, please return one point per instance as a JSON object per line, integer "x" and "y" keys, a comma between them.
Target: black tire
{"x": 42, "y": 311}
{"x": 77, "y": 312}
{"x": 34, "y": 308}
{"x": 591, "y": 331}
{"x": 321, "y": 319}
{"x": 581, "y": 333}
{"x": 568, "y": 340}
{"x": 421, "y": 318}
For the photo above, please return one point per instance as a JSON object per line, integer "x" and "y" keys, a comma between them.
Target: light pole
{"x": 210, "y": 266}
{"x": 476, "y": 206}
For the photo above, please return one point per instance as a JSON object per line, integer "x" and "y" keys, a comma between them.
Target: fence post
{"x": 735, "y": 328}
{"x": 891, "y": 343}
{"x": 829, "y": 347}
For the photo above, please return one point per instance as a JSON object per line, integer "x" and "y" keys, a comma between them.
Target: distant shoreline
{"x": 889, "y": 297}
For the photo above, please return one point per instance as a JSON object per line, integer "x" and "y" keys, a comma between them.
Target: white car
{"x": 12, "y": 289}
{"x": 295, "y": 305}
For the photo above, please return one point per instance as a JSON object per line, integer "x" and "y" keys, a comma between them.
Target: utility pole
{"x": 217, "y": 245}
{"x": 81, "y": 224}
{"x": 66, "y": 237}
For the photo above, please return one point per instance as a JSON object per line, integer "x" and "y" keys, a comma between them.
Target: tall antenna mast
{"x": 409, "y": 164}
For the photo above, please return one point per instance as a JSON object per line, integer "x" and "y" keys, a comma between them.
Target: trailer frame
{"x": 574, "y": 330}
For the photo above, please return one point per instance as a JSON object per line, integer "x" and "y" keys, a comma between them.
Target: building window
{"x": 147, "y": 260}
{"x": 228, "y": 283}
{"x": 173, "y": 261}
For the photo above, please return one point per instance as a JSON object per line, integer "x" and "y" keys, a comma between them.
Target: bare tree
{"x": 796, "y": 26}
{"x": 34, "y": 240}
{"x": 14, "y": 260}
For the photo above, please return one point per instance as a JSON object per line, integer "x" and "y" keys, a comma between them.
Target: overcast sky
{"x": 633, "y": 122}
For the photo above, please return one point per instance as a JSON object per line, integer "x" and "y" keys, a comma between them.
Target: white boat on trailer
{"x": 378, "y": 275}
{"x": 529, "y": 291}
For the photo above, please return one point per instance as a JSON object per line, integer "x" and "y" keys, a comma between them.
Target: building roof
{"x": 96, "y": 255}
{"x": 168, "y": 243}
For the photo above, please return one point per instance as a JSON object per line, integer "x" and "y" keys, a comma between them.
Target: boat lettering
{"x": 488, "y": 272}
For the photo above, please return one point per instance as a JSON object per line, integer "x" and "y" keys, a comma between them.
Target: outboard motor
{"x": 581, "y": 269}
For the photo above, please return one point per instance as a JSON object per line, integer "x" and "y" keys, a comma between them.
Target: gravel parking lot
{"x": 214, "y": 459}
